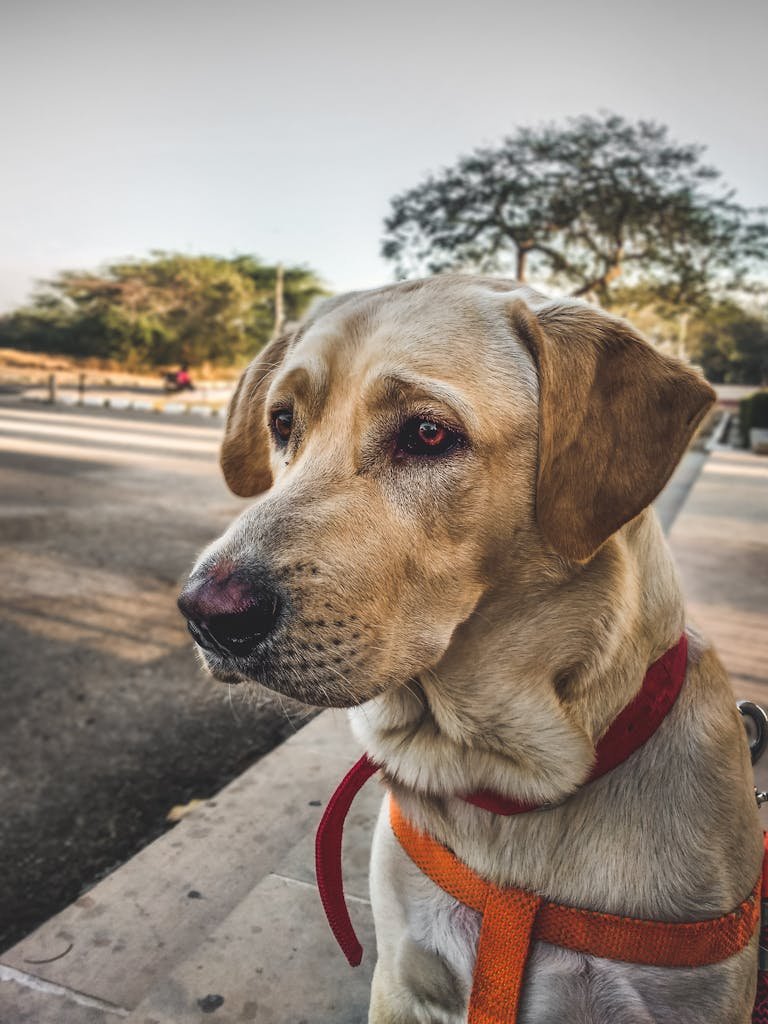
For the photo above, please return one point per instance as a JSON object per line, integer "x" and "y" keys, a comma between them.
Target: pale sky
{"x": 284, "y": 129}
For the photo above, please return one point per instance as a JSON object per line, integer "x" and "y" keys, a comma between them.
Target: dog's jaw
{"x": 540, "y": 756}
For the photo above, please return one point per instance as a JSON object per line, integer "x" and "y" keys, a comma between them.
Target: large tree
{"x": 594, "y": 203}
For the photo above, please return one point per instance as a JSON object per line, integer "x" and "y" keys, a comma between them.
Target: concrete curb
{"x": 219, "y": 904}
{"x": 716, "y": 440}
{"x": 159, "y": 405}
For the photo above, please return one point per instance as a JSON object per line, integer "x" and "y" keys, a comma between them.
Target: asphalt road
{"x": 107, "y": 720}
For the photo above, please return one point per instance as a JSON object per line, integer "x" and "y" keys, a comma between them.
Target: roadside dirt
{"x": 22, "y": 369}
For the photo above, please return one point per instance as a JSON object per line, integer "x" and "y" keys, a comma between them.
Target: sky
{"x": 283, "y": 129}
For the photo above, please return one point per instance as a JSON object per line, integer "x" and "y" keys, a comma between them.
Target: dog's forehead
{"x": 448, "y": 329}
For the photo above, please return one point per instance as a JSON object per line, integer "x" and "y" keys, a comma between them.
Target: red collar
{"x": 629, "y": 731}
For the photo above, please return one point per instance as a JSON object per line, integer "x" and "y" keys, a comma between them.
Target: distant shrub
{"x": 164, "y": 309}
{"x": 753, "y": 412}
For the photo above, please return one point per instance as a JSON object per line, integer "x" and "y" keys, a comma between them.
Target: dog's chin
{"x": 225, "y": 675}
{"x": 316, "y": 693}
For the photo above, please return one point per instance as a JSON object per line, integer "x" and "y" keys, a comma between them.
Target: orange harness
{"x": 513, "y": 918}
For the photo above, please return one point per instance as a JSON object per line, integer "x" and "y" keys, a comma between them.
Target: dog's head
{"x": 409, "y": 446}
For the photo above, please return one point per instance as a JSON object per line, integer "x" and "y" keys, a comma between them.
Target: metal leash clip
{"x": 755, "y": 721}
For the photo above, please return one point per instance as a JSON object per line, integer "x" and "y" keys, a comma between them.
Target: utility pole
{"x": 279, "y": 303}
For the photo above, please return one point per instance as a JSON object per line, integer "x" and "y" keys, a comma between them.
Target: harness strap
{"x": 513, "y": 918}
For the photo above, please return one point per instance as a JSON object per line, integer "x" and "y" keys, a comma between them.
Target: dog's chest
{"x": 439, "y": 922}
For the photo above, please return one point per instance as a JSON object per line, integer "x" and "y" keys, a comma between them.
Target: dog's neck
{"x": 533, "y": 678}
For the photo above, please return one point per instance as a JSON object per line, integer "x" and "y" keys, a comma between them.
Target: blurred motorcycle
{"x": 178, "y": 380}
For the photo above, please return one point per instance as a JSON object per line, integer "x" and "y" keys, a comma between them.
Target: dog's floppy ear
{"x": 615, "y": 416}
{"x": 244, "y": 454}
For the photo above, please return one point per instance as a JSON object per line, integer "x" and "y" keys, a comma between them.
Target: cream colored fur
{"x": 489, "y": 626}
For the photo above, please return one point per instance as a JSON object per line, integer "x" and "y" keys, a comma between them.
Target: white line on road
{"x": 98, "y": 433}
{"x": 123, "y": 423}
{"x": 180, "y": 463}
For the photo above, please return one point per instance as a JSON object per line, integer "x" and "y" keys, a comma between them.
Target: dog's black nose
{"x": 228, "y": 614}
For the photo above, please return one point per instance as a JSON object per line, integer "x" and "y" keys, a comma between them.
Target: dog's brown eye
{"x": 425, "y": 437}
{"x": 282, "y": 423}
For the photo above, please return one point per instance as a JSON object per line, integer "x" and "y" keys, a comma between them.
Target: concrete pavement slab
{"x": 358, "y": 829}
{"x": 24, "y": 999}
{"x": 272, "y": 961}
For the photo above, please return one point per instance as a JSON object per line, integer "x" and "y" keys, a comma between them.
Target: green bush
{"x": 753, "y": 412}
{"x": 163, "y": 309}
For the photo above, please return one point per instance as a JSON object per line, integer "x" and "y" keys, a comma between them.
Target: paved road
{"x": 106, "y": 719}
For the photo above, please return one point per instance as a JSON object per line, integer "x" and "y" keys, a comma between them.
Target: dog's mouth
{"x": 303, "y": 671}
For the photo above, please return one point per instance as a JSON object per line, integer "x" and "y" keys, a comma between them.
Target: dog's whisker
{"x": 284, "y": 711}
{"x": 418, "y": 697}
{"x": 231, "y": 704}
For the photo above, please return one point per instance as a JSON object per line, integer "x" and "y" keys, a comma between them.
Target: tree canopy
{"x": 593, "y": 204}
{"x": 164, "y": 309}
{"x": 731, "y": 344}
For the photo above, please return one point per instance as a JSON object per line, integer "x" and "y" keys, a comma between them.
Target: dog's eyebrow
{"x": 385, "y": 381}
{"x": 308, "y": 383}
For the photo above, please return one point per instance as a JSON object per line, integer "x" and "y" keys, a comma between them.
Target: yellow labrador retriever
{"x": 453, "y": 537}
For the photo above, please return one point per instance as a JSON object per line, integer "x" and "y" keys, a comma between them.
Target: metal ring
{"x": 759, "y": 720}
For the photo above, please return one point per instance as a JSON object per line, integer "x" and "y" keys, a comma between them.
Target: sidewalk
{"x": 220, "y": 920}
{"x": 720, "y": 543}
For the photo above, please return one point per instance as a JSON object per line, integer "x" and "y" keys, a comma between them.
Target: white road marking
{"x": 122, "y": 423}
{"x": 97, "y": 433}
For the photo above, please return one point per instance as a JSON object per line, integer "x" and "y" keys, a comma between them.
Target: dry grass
{"x": 33, "y": 368}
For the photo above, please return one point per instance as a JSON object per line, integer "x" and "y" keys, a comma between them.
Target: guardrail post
{"x": 52, "y": 388}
